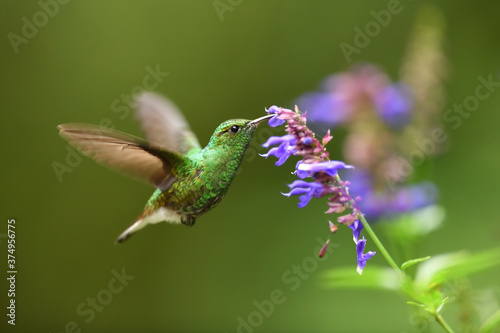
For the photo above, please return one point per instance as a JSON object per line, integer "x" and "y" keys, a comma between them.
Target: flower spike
{"x": 316, "y": 164}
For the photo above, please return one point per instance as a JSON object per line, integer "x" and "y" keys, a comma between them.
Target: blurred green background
{"x": 202, "y": 279}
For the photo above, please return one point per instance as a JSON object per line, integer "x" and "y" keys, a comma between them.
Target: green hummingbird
{"x": 189, "y": 180}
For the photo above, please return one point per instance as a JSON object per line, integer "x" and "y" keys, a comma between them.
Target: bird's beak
{"x": 259, "y": 120}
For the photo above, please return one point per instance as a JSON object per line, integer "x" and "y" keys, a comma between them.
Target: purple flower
{"x": 414, "y": 197}
{"x": 274, "y": 121}
{"x": 381, "y": 203}
{"x": 284, "y": 151}
{"x": 316, "y": 163}
{"x": 299, "y": 173}
{"x": 327, "y": 108}
{"x": 304, "y": 170}
{"x": 374, "y": 204}
{"x": 345, "y": 96}
{"x": 356, "y": 227}
{"x": 394, "y": 104}
{"x": 306, "y": 191}
{"x": 362, "y": 257}
{"x": 274, "y": 140}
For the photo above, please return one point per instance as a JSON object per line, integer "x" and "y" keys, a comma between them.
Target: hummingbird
{"x": 189, "y": 180}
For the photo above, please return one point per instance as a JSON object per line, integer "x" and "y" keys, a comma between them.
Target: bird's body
{"x": 189, "y": 180}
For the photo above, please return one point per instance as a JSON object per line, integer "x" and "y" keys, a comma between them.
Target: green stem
{"x": 374, "y": 237}
{"x": 443, "y": 323}
{"x": 380, "y": 246}
{"x": 388, "y": 257}
{"x": 391, "y": 262}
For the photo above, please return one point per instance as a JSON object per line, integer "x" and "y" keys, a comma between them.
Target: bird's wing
{"x": 124, "y": 153}
{"x": 164, "y": 124}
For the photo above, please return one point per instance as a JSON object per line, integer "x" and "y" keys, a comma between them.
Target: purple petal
{"x": 303, "y": 183}
{"x": 362, "y": 257}
{"x": 356, "y": 227}
{"x": 274, "y": 140}
{"x": 301, "y": 174}
{"x": 271, "y": 152}
{"x": 330, "y": 167}
{"x": 283, "y": 158}
{"x": 306, "y": 190}
{"x": 394, "y": 104}
{"x": 285, "y": 149}
{"x": 304, "y": 199}
{"x": 274, "y": 109}
{"x": 297, "y": 191}
{"x": 275, "y": 121}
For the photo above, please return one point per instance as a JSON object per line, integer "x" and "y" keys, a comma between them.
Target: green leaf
{"x": 443, "y": 302}
{"x": 418, "y": 305}
{"x": 432, "y": 299}
{"x": 491, "y": 323}
{"x": 376, "y": 277}
{"x": 412, "y": 262}
{"x": 440, "y": 268}
{"x": 429, "y": 309}
{"x": 413, "y": 226}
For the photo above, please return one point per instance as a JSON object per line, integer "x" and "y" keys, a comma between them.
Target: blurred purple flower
{"x": 372, "y": 204}
{"x": 344, "y": 95}
{"x": 328, "y": 108}
{"x": 394, "y": 104}
{"x": 413, "y": 197}
{"x": 362, "y": 257}
{"x": 377, "y": 204}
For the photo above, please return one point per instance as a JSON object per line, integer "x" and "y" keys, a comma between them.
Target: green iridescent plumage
{"x": 206, "y": 176}
{"x": 189, "y": 180}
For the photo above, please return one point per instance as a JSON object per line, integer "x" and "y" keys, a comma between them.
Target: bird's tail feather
{"x": 151, "y": 217}
{"x": 136, "y": 226}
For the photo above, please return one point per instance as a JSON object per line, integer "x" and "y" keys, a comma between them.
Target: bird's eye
{"x": 235, "y": 128}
